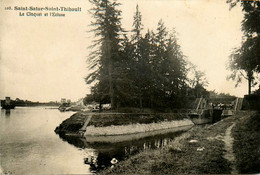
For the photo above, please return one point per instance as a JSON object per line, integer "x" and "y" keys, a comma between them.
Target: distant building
{"x": 7, "y": 100}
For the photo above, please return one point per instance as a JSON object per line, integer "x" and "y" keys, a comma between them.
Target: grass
{"x": 126, "y": 119}
{"x": 247, "y": 144}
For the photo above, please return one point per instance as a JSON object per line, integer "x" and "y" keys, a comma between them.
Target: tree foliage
{"x": 135, "y": 70}
{"x": 105, "y": 60}
{"x": 244, "y": 61}
{"x": 197, "y": 81}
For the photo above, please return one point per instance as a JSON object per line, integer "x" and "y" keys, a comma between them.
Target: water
{"x": 28, "y": 144}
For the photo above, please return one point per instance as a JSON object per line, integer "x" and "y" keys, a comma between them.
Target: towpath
{"x": 229, "y": 154}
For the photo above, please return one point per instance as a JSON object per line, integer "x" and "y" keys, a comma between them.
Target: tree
{"x": 138, "y": 58}
{"x": 138, "y": 27}
{"x": 197, "y": 81}
{"x": 104, "y": 60}
{"x": 245, "y": 61}
{"x": 168, "y": 68}
{"x": 175, "y": 71}
{"x": 126, "y": 86}
{"x": 242, "y": 66}
{"x": 147, "y": 71}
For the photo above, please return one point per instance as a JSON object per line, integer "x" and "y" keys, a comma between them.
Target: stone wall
{"x": 135, "y": 128}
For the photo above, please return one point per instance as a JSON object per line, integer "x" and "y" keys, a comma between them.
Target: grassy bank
{"x": 247, "y": 144}
{"x": 199, "y": 151}
{"x": 101, "y": 120}
{"x": 77, "y": 120}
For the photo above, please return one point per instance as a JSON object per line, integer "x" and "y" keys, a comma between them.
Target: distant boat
{"x": 7, "y": 103}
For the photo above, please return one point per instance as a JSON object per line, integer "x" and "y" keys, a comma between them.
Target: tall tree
{"x": 175, "y": 71}
{"x": 145, "y": 70}
{"x": 138, "y": 27}
{"x": 160, "y": 55}
{"x": 242, "y": 66}
{"x": 167, "y": 63}
{"x": 107, "y": 28}
{"x": 126, "y": 80}
{"x": 138, "y": 58}
{"x": 245, "y": 61}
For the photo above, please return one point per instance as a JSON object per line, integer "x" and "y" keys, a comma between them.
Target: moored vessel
{"x": 7, "y": 103}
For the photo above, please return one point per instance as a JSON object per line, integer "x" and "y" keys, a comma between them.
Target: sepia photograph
{"x": 129, "y": 87}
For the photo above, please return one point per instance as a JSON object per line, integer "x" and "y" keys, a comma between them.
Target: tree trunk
{"x": 110, "y": 66}
{"x": 110, "y": 69}
{"x": 250, "y": 77}
{"x": 100, "y": 106}
{"x": 249, "y": 86}
{"x": 111, "y": 88}
{"x": 140, "y": 102}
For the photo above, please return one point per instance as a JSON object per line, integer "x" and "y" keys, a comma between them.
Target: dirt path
{"x": 229, "y": 154}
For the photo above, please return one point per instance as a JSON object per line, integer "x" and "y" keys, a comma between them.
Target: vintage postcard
{"x": 129, "y": 86}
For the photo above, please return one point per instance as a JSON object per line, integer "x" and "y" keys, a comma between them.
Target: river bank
{"x": 229, "y": 146}
{"x": 101, "y": 124}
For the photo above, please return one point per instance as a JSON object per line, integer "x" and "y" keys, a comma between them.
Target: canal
{"x": 29, "y": 145}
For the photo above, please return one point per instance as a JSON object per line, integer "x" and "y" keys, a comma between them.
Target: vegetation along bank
{"x": 229, "y": 146}
{"x": 119, "y": 123}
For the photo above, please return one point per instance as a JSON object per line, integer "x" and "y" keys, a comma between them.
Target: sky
{"x": 44, "y": 58}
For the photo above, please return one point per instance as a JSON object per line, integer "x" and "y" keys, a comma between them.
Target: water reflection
{"x": 101, "y": 150}
{"x": 7, "y": 112}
